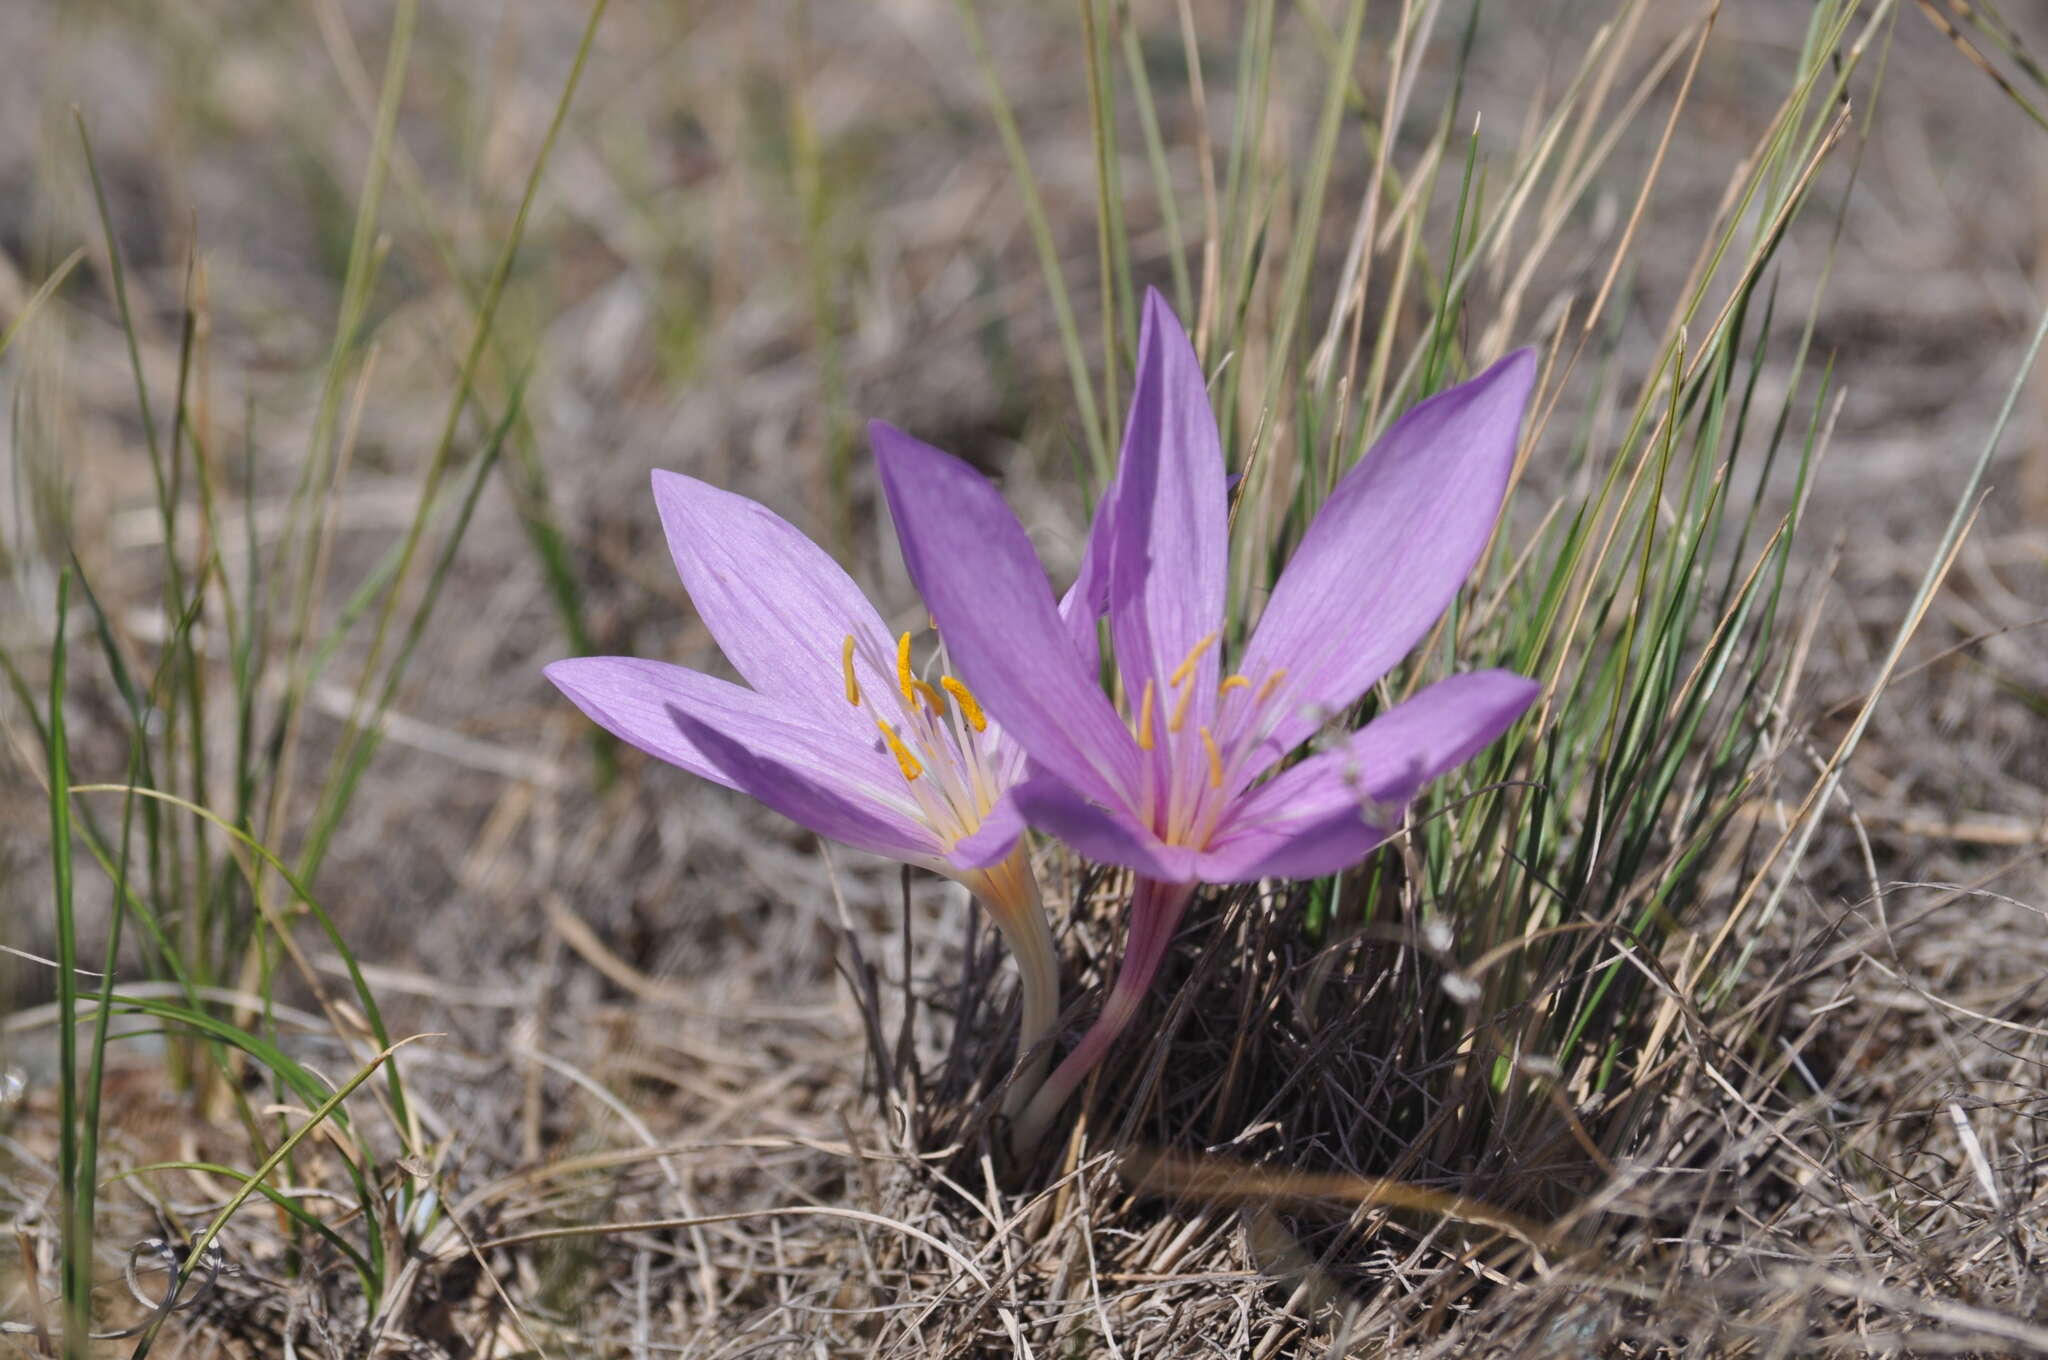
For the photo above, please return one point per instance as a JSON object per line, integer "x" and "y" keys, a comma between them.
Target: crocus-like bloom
{"x": 836, "y": 729}
{"x": 1173, "y": 786}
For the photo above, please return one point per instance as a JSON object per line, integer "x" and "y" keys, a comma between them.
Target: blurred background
{"x": 767, "y": 224}
{"x": 760, "y": 226}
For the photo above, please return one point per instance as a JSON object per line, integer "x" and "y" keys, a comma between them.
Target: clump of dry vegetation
{"x": 1703, "y": 1018}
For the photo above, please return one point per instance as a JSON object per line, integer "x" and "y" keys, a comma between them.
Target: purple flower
{"x": 1173, "y": 785}
{"x": 836, "y": 728}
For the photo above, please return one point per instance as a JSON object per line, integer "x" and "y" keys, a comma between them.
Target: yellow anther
{"x": 1180, "y": 709}
{"x": 970, "y": 709}
{"x": 933, "y": 701}
{"x": 1233, "y": 682}
{"x": 1215, "y": 760}
{"x": 905, "y": 761}
{"x": 1145, "y": 719}
{"x": 846, "y": 666}
{"x": 903, "y": 677}
{"x": 1272, "y": 683}
{"x": 1187, "y": 665}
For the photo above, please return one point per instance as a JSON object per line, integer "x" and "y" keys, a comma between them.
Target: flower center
{"x": 937, "y": 745}
{"x": 1194, "y": 765}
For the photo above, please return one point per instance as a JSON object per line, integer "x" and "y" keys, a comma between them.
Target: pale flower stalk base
{"x": 1156, "y": 909}
{"x": 1008, "y": 892}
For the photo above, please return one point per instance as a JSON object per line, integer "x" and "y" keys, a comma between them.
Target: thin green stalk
{"x": 197, "y": 1249}
{"x": 1113, "y": 247}
{"x": 357, "y": 281}
{"x": 1447, "y": 304}
{"x": 1967, "y": 502}
{"x": 360, "y": 753}
{"x": 807, "y": 172}
{"x": 321, "y": 468}
{"x": 1162, "y": 172}
{"x": 75, "y": 1194}
{"x": 1309, "y": 211}
{"x": 88, "y": 1124}
{"x": 118, "y": 276}
{"x": 354, "y": 756}
{"x": 1048, "y": 253}
{"x": 337, "y": 790}
{"x": 35, "y": 302}
{"x": 526, "y": 472}
{"x": 1240, "y": 213}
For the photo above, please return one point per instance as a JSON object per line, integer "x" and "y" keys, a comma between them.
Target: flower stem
{"x": 1009, "y": 893}
{"x": 1155, "y": 911}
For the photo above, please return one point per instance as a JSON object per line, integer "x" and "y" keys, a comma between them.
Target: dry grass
{"x": 702, "y": 1089}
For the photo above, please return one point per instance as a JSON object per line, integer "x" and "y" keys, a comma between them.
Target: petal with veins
{"x": 816, "y": 776}
{"x": 1388, "y": 551}
{"x": 970, "y": 559}
{"x": 992, "y": 842}
{"x": 1320, "y": 816}
{"x": 1167, "y": 517}
{"x": 776, "y": 603}
{"x": 1107, "y": 834}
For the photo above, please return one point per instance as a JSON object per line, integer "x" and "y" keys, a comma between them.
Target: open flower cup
{"x": 836, "y": 728}
{"x": 1173, "y": 782}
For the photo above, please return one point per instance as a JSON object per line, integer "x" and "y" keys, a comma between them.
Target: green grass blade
{"x": 1162, "y": 173}
{"x": 355, "y": 755}
{"x": 364, "y": 715}
{"x": 330, "y": 1107}
{"x": 1800, "y": 835}
{"x": 1091, "y": 415}
{"x": 75, "y": 1194}
{"x": 36, "y": 300}
{"x": 291, "y": 1205}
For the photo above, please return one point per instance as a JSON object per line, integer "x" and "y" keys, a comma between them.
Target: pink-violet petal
{"x": 815, "y": 775}
{"x": 1326, "y": 813}
{"x": 1387, "y": 553}
{"x": 776, "y": 603}
{"x": 982, "y": 582}
{"x": 992, "y": 841}
{"x": 1107, "y": 834}
{"x": 1164, "y": 528}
